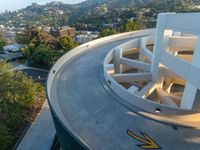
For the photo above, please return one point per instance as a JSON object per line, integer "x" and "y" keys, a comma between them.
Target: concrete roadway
{"x": 98, "y": 116}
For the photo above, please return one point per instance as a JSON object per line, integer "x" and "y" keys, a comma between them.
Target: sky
{"x": 18, "y": 4}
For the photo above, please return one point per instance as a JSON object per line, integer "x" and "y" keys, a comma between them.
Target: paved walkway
{"x": 41, "y": 133}
{"x": 22, "y": 67}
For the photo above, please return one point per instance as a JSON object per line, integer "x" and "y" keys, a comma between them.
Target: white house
{"x": 85, "y": 38}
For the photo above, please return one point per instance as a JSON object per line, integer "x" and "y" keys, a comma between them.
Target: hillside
{"x": 111, "y": 4}
{"x": 116, "y": 3}
{"x": 90, "y": 14}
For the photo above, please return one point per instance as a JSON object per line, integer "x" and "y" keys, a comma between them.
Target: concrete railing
{"x": 82, "y": 48}
{"x": 54, "y": 75}
{"x": 135, "y": 43}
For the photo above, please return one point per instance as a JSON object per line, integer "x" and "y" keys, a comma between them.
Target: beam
{"x": 147, "y": 53}
{"x": 182, "y": 42}
{"x": 133, "y": 89}
{"x": 165, "y": 98}
{"x": 177, "y": 65}
{"x": 147, "y": 90}
{"x": 135, "y": 64}
{"x": 130, "y": 77}
{"x": 130, "y": 45}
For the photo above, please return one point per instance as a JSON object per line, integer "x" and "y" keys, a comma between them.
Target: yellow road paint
{"x": 148, "y": 142}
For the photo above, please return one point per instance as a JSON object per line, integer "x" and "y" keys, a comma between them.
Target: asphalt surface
{"x": 101, "y": 120}
{"x": 38, "y": 76}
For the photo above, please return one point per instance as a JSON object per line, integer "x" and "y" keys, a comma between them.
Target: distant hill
{"x": 89, "y": 12}
{"x": 117, "y": 3}
{"x": 130, "y": 3}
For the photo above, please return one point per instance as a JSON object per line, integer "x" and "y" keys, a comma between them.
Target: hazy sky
{"x": 17, "y": 4}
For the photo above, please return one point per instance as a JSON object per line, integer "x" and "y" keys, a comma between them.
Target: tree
{"x": 107, "y": 32}
{"x": 16, "y": 87}
{"x": 44, "y": 50}
{"x": 131, "y": 26}
{"x": 18, "y": 94}
{"x": 22, "y": 38}
{"x": 51, "y": 57}
{"x": 42, "y": 56}
{"x": 2, "y": 42}
{"x": 5, "y": 137}
{"x": 67, "y": 43}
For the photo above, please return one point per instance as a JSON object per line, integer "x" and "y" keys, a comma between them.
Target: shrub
{"x": 18, "y": 96}
{"x": 5, "y": 137}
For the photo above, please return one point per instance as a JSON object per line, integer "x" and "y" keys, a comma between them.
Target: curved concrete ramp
{"x": 98, "y": 119}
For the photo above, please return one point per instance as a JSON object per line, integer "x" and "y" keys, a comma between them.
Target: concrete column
{"x": 142, "y": 42}
{"x": 190, "y": 99}
{"x": 158, "y": 46}
{"x": 117, "y": 56}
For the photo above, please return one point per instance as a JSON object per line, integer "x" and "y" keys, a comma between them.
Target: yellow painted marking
{"x": 148, "y": 142}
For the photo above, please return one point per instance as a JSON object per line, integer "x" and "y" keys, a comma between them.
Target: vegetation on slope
{"x": 20, "y": 101}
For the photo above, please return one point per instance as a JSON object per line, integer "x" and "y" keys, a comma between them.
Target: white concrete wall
{"x": 185, "y": 23}
{"x": 164, "y": 39}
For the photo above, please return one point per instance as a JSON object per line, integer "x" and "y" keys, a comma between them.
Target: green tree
{"x": 28, "y": 52}
{"x": 43, "y": 50}
{"x": 51, "y": 57}
{"x": 107, "y": 32}
{"x": 2, "y": 42}
{"x": 44, "y": 57}
{"x": 5, "y": 137}
{"x": 22, "y": 38}
{"x": 16, "y": 87}
{"x": 67, "y": 43}
{"x": 38, "y": 55}
{"x": 131, "y": 26}
{"x": 18, "y": 94}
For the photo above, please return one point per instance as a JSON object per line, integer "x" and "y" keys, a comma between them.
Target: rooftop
{"x": 118, "y": 92}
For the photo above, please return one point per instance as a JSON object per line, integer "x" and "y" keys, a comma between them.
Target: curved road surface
{"x": 99, "y": 117}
